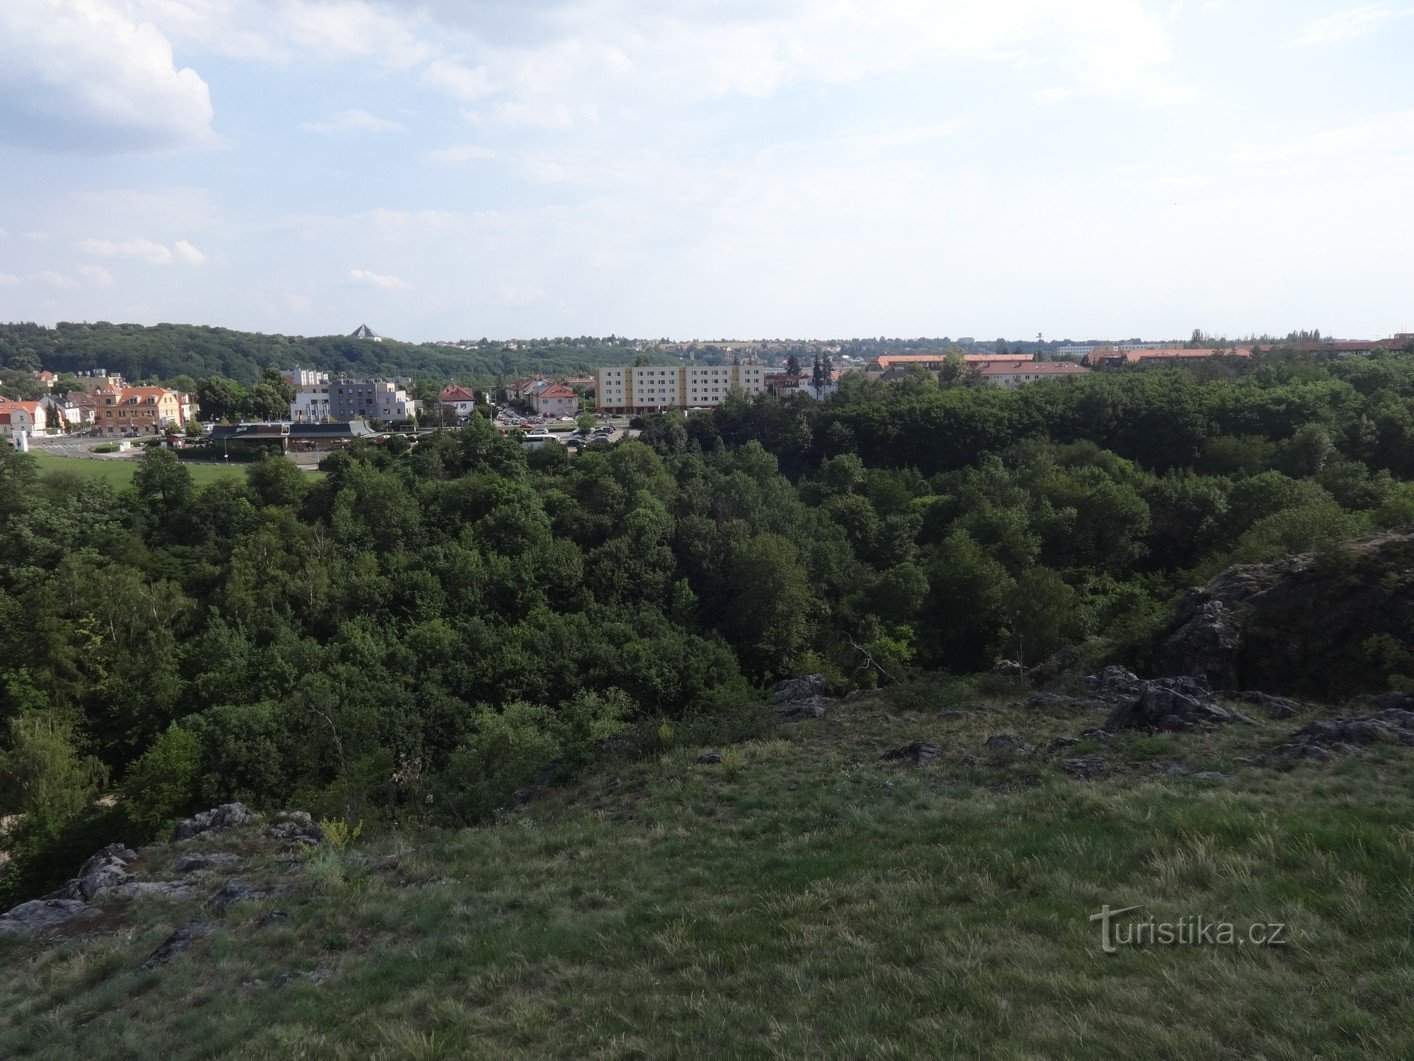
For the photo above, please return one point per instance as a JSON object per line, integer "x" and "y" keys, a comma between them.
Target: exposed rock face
{"x": 1272, "y": 706}
{"x": 226, "y": 816}
{"x": 796, "y": 690}
{"x": 195, "y": 863}
{"x": 801, "y": 698}
{"x": 1085, "y": 767}
{"x": 1347, "y": 733}
{"x": 177, "y": 942}
{"x": 1297, "y": 624}
{"x": 297, "y": 826}
{"x": 40, "y": 915}
{"x": 1169, "y": 704}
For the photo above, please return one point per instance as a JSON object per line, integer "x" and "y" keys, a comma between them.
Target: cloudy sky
{"x": 706, "y": 168}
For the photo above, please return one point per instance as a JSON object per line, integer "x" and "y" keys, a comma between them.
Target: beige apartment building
{"x": 650, "y": 389}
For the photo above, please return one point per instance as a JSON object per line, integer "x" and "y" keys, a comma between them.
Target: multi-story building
{"x": 368, "y": 400}
{"x": 304, "y": 377}
{"x": 144, "y": 410}
{"x": 650, "y": 389}
{"x": 1014, "y": 375}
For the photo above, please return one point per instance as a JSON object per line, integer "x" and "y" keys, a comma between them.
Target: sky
{"x": 710, "y": 168}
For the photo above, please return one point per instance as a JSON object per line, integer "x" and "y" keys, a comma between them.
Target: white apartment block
{"x": 650, "y": 389}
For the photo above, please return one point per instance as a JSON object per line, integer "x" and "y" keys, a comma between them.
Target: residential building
{"x": 650, "y": 389}
{"x": 66, "y": 410}
{"x": 304, "y": 377}
{"x": 555, "y": 399}
{"x": 1015, "y": 375}
{"x": 382, "y": 399}
{"x": 880, "y": 365}
{"x": 311, "y": 403}
{"x": 29, "y": 418}
{"x": 1110, "y": 357}
{"x": 459, "y": 400}
{"x": 144, "y": 410}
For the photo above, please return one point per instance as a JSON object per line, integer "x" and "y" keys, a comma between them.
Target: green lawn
{"x": 119, "y": 472}
{"x": 801, "y": 899}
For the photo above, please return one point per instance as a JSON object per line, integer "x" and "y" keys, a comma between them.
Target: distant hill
{"x": 162, "y": 351}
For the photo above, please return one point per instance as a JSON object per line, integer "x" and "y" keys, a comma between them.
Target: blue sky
{"x": 695, "y": 169}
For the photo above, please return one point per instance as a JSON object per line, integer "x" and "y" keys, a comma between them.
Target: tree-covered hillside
{"x": 166, "y": 351}
{"x": 426, "y": 630}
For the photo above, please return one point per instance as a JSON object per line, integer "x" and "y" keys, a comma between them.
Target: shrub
{"x": 161, "y": 784}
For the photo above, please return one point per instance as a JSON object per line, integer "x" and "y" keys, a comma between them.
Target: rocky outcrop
{"x": 226, "y": 816}
{"x": 40, "y": 915}
{"x": 801, "y": 698}
{"x": 297, "y": 827}
{"x": 1296, "y": 625}
{"x": 1167, "y": 704}
{"x": 1348, "y": 733}
{"x": 1007, "y": 744}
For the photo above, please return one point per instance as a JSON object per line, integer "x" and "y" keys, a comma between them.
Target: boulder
{"x": 1113, "y": 682}
{"x": 1008, "y": 668}
{"x": 226, "y": 816}
{"x": 796, "y": 690}
{"x": 917, "y": 753}
{"x": 40, "y": 915}
{"x": 1171, "y": 705}
{"x": 1383, "y": 702}
{"x": 1346, "y": 733}
{"x": 1008, "y": 744}
{"x": 709, "y": 758}
{"x": 798, "y": 710}
{"x": 1085, "y": 766}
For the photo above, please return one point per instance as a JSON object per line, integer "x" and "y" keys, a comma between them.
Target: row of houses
{"x": 318, "y": 399}
{"x": 114, "y": 410}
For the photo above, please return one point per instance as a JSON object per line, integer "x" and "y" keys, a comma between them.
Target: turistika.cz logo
{"x": 1193, "y": 930}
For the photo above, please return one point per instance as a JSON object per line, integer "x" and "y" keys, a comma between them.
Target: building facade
{"x": 141, "y": 410}
{"x": 555, "y": 399}
{"x": 652, "y": 389}
{"x": 1013, "y": 376}
{"x": 18, "y": 418}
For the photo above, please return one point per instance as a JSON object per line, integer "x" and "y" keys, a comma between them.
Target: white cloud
{"x": 58, "y": 281}
{"x": 354, "y": 121}
{"x": 187, "y": 253}
{"x": 1348, "y": 25}
{"x": 458, "y": 81}
{"x": 9, "y": 280}
{"x": 84, "y": 76}
{"x": 143, "y": 250}
{"x": 388, "y": 283}
{"x": 96, "y": 275}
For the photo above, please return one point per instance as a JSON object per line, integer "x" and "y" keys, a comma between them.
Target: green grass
{"x": 119, "y": 471}
{"x": 804, "y": 898}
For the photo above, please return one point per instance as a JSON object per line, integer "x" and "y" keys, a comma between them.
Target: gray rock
{"x": 204, "y": 863}
{"x": 152, "y": 889}
{"x": 795, "y": 690}
{"x": 917, "y": 753}
{"x": 1206, "y": 639}
{"x": 236, "y": 891}
{"x": 101, "y": 875}
{"x": 40, "y": 915}
{"x": 1171, "y": 705}
{"x": 1177, "y": 770}
{"x": 1059, "y": 743}
{"x": 306, "y": 834}
{"x": 226, "y": 816}
{"x": 709, "y": 758}
{"x": 1008, "y": 744}
{"x": 1277, "y": 707}
{"x": 1345, "y": 733}
{"x": 799, "y": 710}
{"x": 1008, "y": 668}
{"x": 1095, "y": 733}
{"x": 1112, "y": 682}
{"x": 1384, "y": 702}
{"x": 1085, "y": 766}
{"x": 177, "y": 942}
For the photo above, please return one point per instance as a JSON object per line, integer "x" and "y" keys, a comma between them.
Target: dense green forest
{"x": 168, "y": 351}
{"x": 426, "y": 629}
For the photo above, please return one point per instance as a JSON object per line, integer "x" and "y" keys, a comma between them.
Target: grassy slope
{"x": 119, "y": 473}
{"x": 803, "y": 898}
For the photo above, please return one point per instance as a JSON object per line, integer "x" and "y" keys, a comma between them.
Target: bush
{"x": 161, "y": 785}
